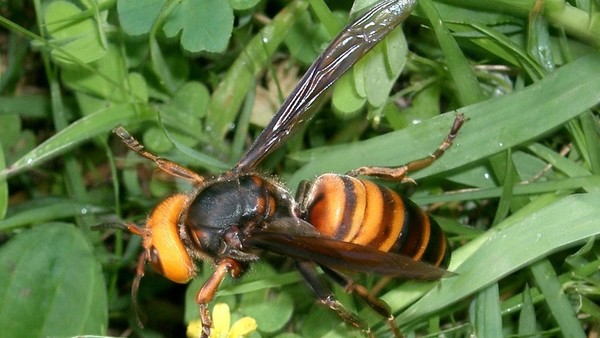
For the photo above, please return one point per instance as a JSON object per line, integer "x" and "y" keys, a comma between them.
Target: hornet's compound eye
{"x": 154, "y": 261}
{"x": 165, "y": 249}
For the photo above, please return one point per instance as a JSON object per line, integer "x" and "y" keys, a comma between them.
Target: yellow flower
{"x": 221, "y": 321}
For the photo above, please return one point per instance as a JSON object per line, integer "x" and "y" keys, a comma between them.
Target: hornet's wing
{"x": 343, "y": 52}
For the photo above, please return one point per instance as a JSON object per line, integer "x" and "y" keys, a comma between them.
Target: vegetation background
{"x": 196, "y": 81}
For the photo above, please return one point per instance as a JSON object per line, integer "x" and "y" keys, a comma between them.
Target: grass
{"x": 517, "y": 194}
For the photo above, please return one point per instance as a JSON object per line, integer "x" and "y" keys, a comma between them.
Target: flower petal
{"x": 221, "y": 320}
{"x": 242, "y": 327}
{"x": 194, "y": 328}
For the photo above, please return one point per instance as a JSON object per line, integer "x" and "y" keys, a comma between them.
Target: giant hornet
{"x": 338, "y": 222}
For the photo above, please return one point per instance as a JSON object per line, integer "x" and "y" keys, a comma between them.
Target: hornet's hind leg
{"x": 307, "y": 270}
{"x": 400, "y": 173}
{"x": 375, "y": 303}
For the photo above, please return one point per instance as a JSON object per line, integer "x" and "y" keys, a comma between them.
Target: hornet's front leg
{"x": 171, "y": 168}
{"x": 209, "y": 289}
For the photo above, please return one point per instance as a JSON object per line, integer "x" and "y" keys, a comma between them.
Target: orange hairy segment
{"x": 166, "y": 251}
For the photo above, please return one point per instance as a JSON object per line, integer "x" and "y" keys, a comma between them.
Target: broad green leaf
{"x": 205, "y": 25}
{"x": 51, "y": 284}
{"x": 270, "y": 315}
{"x": 183, "y": 115}
{"x": 306, "y": 38}
{"x": 110, "y": 80}
{"x": 344, "y": 96}
{"x": 188, "y": 106}
{"x": 171, "y": 68}
{"x": 230, "y": 93}
{"x": 288, "y": 335}
{"x": 257, "y": 280}
{"x": 191, "y": 307}
{"x": 372, "y": 78}
{"x": 77, "y": 37}
{"x": 384, "y": 66}
{"x": 137, "y": 16}
{"x": 136, "y": 91}
{"x": 155, "y": 140}
{"x": 240, "y": 5}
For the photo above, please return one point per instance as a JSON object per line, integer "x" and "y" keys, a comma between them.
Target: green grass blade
{"x": 31, "y": 106}
{"x": 3, "y": 187}
{"x": 559, "y": 305}
{"x": 467, "y": 87}
{"x": 591, "y": 130}
{"x": 527, "y": 317}
{"x": 567, "y": 166}
{"x": 577, "y": 22}
{"x": 542, "y": 107}
{"x": 329, "y": 20}
{"x": 587, "y": 183}
{"x": 48, "y": 209}
{"x": 486, "y": 310}
{"x": 80, "y": 131}
{"x": 529, "y": 237}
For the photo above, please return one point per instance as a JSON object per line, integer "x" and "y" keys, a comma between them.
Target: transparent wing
{"x": 343, "y": 52}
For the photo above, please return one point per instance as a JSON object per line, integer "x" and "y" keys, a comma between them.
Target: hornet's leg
{"x": 209, "y": 289}
{"x": 307, "y": 270}
{"x": 165, "y": 165}
{"x": 400, "y": 173}
{"x": 375, "y": 303}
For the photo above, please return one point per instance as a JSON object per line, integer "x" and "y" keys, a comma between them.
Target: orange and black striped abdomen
{"x": 422, "y": 238}
{"x": 359, "y": 211}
